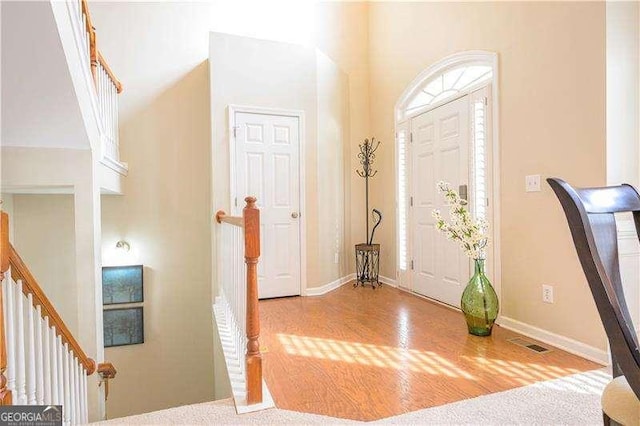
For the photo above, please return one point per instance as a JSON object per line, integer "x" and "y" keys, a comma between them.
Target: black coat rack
{"x": 367, "y": 156}
{"x": 368, "y": 253}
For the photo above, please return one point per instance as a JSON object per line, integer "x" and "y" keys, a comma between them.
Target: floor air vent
{"x": 529, "y": 345}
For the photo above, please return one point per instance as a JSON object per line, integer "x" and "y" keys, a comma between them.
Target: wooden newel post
{"x": 5, "y": 394}
{"x": 251, "y": 216}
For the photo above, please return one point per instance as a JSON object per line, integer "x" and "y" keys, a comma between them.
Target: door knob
{"x": 295, "y": 215}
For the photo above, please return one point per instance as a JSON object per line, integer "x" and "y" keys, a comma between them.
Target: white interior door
{"x": 267, "y": 166}
{"x": 439, "y": 151}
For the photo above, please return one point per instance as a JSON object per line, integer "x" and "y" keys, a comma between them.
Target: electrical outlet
{"x": 336, "y": 258}
{"x": 547, "y": 293}
{"x": 532, "y": 183}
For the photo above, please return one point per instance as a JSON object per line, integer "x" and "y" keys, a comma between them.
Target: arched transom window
{"x": 447, "y": 85}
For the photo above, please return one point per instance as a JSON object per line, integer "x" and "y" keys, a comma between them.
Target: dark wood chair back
{"x": 590, "y": 213}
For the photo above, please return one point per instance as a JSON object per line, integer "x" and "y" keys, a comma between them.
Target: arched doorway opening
{"x": 446, "y": 129}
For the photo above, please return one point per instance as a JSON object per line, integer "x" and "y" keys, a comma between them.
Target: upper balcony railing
{"x": 106, "y": 84}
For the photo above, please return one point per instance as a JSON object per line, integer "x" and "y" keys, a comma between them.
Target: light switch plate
{"x": 532, "y": 183}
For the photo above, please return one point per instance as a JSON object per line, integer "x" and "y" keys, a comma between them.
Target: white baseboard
{"x": 388, "y": 281}
{"x": 319, "y": 291}
{"x": 561, "y": 342}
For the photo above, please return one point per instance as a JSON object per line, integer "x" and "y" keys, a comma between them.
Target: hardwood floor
{"x": 366, "y": 354}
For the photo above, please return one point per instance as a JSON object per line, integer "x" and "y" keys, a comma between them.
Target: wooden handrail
{"x": 110, "y": 73}
{"x": 94, "y": 54}
{"x": 19, "y": 271}
{"x": 221, "y": 217}
{"x": 4, "y": 243}
{"x": 5, "y": 393}
{"x": 106, "y": 371}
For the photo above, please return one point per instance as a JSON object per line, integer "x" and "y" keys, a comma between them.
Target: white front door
{"x": 267, "y": 166}
{"x": 439, "y": 153}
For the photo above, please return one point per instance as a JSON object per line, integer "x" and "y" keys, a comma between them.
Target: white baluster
{"x": 82, "y": 402}
{"x": 104, "y": 101}
{"x": 72, "y": 388}
{"x": 110, "y": 113}
{"x": 31, "y": 352}
{"x": 67, "y": 384}
{"x": 114, "y": 112}
{"x": 103, "y": 94}
{"x": 48, "y": 362}
{"x": 85, "y": 36}
{"x": 39, "y": 348}
{"x": 55, "y": 374}
{"x": 84, "y": 398}
{"x": 117, "y": 128}
{"x": 10, "y": 332}
{"x": 114, "y": 115}
{"x": 78, "y": 11}
{"x": 100, "y": 92}
{"x": 61, "y": 358}
{"x": 110, "y": 117}
{"x": 105, "y": 79}
{"x": 77, "y": 385}
{"x": 21, "y": 373}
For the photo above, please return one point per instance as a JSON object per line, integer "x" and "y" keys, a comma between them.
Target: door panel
{"x": 440, "y": 152}
{"x": 267, "y": 166}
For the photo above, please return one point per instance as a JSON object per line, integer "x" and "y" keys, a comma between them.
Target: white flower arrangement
{"x": 470, "y": 233}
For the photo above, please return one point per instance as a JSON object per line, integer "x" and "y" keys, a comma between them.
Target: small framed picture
{"x": 123, "y": 326}
{"x": 122, "y": 284}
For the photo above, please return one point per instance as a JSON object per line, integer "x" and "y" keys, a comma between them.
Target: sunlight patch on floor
{"x": 523, "y": 373}
{"x": 590, "y": 383}
{"x": 374, "y": 355}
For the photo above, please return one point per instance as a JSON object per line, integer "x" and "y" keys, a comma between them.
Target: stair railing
{"x": 41, "y": 363}
{"x": 107, "y": 85}
{"x": 236, "y": 306}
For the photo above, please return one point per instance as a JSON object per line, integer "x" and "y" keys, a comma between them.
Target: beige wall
{"x": 165, "y": 212}
{"x": 552, "y": 123}
{"x": 165, "y": 137}
{"x": 332, "y": 178}
{"x": 249, "y": 71}
{"x": 343, "y": 35}
{"x": 44, "y": 236}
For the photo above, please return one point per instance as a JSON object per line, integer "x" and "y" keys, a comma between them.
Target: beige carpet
{"x": 571, "y": 400}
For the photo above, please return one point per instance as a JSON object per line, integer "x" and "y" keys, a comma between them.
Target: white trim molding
{"x": 324, "y": 289}
{"x": 232, "y": 109}
{"x": 561, "y": 342}
{"x": 319, "y": 291}
{"x": 117, "y": 166}
{"x": 388, "y": 281}
{"x": 470, "y": 57}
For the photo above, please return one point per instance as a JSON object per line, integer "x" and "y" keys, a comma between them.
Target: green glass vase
{"x": 479, "y": 302}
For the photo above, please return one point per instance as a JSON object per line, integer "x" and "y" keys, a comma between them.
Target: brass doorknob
{"x": 294, "y": 215}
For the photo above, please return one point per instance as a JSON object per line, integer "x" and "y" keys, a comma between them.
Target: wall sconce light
{"x": 123, "y": 246}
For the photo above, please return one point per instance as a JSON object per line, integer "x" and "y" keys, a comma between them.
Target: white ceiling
{"x": 39, "y": 104}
